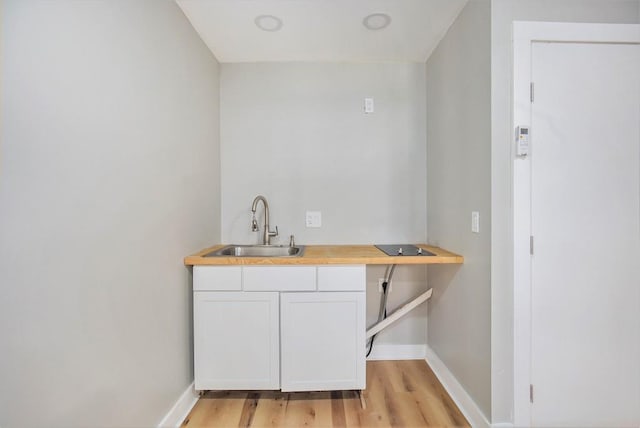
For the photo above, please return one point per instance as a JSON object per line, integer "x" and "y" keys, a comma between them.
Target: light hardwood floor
{"x": 399, "y": 394}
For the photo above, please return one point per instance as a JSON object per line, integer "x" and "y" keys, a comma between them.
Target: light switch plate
{"x": 368, "y": 105}
{"x": 313, "y": 219}
{"x": 475, "y": 222}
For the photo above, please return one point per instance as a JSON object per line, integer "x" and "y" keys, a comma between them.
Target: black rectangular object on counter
{"x": 407, "y": 250}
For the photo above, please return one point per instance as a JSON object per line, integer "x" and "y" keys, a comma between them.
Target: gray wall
{"x": 503, "y": 13}
{"x": 109, "y": 176}
{"x": 458, "y": 180}
{"x": 297, "y": 134}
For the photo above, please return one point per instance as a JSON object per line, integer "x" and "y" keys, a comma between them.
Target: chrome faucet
{"x": 266, "y": 233}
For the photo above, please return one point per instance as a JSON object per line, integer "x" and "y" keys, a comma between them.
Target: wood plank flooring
{"x": 399, "y": 394}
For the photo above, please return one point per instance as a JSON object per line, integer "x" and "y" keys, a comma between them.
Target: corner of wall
{"x": 458, "y": 183}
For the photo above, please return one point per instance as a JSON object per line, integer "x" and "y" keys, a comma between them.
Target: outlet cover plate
{"x": 313, "y": 219}
{"x": 381, "y": 281}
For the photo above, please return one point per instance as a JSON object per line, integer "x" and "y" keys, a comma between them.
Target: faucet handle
{"x": 273, "y": 233}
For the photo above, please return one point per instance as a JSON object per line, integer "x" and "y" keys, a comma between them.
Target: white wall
{"x": 458, "y": 181}
{"x": 109, "y": 176}
{"x": 297, "y": 134}
{"x": 503, "y": 13}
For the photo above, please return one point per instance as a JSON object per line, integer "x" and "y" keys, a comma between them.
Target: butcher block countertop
{"x": 331, "y": 254}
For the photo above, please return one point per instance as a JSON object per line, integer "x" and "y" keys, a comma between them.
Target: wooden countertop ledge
{"x": 330, "y": 254}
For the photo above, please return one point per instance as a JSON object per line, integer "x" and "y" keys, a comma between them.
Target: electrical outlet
{"x": 381, "y": 281}
{"x": 313, "y": 219}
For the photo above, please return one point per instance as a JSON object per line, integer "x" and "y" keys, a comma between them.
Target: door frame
{"x": 524, "y": 35}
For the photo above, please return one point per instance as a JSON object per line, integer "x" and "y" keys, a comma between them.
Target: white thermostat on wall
{"x": 522, "y": 141}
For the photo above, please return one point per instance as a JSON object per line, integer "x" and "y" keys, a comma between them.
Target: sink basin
{"x": 257, "y": 251}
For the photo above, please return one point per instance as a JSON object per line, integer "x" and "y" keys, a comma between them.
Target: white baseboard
{"x": 463, "y": 400}
{"x": 180, "y": 409}
{"x": 502, "y": 425}
{"x": 397, "y": 352}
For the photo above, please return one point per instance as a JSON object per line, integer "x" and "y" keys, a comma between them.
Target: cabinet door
{"x": 323, "y": 341}
{"x": 236, "y": 342}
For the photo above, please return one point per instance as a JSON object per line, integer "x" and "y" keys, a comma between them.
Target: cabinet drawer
{"x": 342, "y": 278}
{"x": 279, "y": 278}
{"x": 217, "y": 278}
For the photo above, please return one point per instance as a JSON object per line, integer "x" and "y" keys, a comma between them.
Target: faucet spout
{"x": 266, "y": 233}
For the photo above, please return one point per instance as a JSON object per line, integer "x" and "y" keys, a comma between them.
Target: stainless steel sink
{"x": 257, "y": 251}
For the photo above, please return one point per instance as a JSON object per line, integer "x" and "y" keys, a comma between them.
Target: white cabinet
{"x": 323, "y": 341}
{"x": 299, "y": 328}
{"x": 236, "y": 340}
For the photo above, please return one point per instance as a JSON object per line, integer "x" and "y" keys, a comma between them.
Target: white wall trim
{"x": 180, "y": 409}
{"x": 397, "y": 352}
{"x": 463, "y": 400}
{"x": 524, "y": 35}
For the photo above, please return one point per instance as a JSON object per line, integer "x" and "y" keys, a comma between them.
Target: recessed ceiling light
{"x": 376, "y": 21}
{"x": 268, "y": 22}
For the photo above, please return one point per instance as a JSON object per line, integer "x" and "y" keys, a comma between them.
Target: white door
{"x": 585, "y": 219}
{"x": 323, "y": 341}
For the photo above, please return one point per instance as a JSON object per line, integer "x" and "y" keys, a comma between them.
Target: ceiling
{"x": 321, "y": 30}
